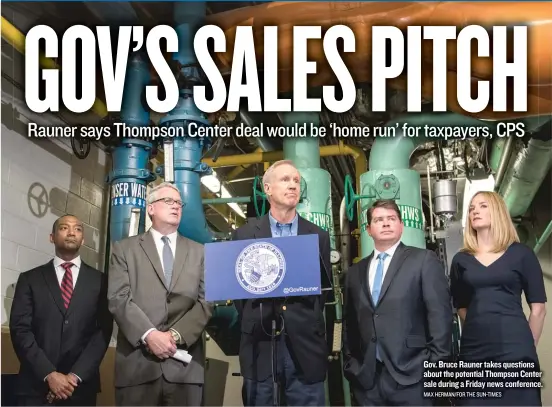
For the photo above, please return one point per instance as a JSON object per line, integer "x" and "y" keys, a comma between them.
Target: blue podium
{"x": 262, "y": 268}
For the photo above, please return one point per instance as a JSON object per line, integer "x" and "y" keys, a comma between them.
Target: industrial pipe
{"x": 497, "y": 150}
{"x": 16, "y": 38}
{"x": 238, "y": 170}
{"x": 527, "y": 171}
{"x": 361, "y": 164}
{"x": 186, "y": 151}
{"x": 542, "y": 240}
{"x": 504, "y": 159}
{"x": 305, "y": 154}
{"x": 130, "y": 174}
{"x": 361, "y": 17}
{"x": 345, "y": 236}
{"x": 264, "y": 143}
{"x": 316, "y": 205}
{"x": 234, "y": 199}
{"x": 390, "y": 175}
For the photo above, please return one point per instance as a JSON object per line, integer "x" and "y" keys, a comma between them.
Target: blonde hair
{"x": 502, "y": 229}
{"x": 267, "y": 177}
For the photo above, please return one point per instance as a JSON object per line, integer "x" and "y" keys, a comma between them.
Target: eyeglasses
{"x": 170, "y": 202}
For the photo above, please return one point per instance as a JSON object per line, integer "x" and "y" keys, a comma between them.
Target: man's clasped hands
{"x": 62, "y": 386}
{"x": 161, "y": 344}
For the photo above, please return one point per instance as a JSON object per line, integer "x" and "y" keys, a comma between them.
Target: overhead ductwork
{"x": 526, "y": 171}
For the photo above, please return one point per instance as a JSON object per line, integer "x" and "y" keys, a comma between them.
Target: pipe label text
{"x": 411, "y": 216}
{"x": 322, "y": 220}
{"x": 128, "y": 193}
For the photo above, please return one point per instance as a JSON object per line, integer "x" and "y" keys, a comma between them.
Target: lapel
{"x": 303, "y": 227}
{"x": 396, "y": 262}
{"x": 262, "y": 230}
{"x": 363, "y": 267}
{"x": 148, "y": 245}
{"x": 179, "y": 259}
{"x": 83, "y": 281}
{"x": 49, "y": 273}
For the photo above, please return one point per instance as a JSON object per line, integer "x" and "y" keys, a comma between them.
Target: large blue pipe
{"x": 188, "y": 167}
{"x": 130, "y": 175}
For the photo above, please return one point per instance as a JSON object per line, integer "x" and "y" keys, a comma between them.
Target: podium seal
{"x": 260, "y": 268}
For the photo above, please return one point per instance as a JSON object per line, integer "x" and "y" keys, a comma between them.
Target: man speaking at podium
{"x": 301, "y": 347}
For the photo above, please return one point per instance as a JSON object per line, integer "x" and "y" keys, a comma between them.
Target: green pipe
{"x": 391, "y": 177}
{"x": 303, "y": 151}
{"x": 389, "y": 153}
{"x": 497, "y": 150}
{"x": 233, "y": 199}
{"x": 542, "y": 240}
{"x": 316, "y": 204}
{"x": 525, "y": 175}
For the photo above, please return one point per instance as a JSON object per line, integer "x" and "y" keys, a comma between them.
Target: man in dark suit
{"x": 60, "y": 324}
{"x": 397, "y": 314}
{"x": 302, "y": 350}
{"x": 156, "y": 294}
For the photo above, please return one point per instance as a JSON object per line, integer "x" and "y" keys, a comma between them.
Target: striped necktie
{"x": 67, "y": 284}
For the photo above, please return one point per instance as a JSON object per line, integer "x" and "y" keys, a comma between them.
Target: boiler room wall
{"x": 46, "y": 169}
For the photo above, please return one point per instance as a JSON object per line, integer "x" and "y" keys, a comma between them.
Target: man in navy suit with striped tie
{"x": 60, "y": 324}
{"x": 397, "y": 314}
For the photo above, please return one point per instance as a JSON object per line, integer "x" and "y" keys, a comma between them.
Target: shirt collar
{"x": 76, "y": 261}
{"x": 390, "y": 252}
{"x": 274, "y": 223}
{"x": 157, "y": 236}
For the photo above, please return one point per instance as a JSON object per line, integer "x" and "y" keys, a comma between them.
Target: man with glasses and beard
{"x": 60, "y": 325}
{"x": 156, "y": 294}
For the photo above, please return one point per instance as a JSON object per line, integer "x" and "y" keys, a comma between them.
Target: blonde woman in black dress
{"x": 488, "y": 277}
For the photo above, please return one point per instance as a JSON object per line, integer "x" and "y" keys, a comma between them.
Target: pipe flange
{"x": 139, "y": 174}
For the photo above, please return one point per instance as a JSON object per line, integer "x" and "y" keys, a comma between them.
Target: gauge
{"x": 387, "y": 186}
{"x": 335, "y": 256}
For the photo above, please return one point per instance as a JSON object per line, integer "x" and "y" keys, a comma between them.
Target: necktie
{"x": 67, "y": 284}
{"x": 285, "y": 229}
{"x": 168, "y": 260}
{"x": 378, "y": 278}
{"x": 376, "y": 288}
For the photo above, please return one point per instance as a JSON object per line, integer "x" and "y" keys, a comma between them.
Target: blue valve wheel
{"x": 258, "y": 194}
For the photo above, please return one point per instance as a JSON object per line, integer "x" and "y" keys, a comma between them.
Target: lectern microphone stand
{"x": 274, "y": 366}
{"x": 275, "y": 392}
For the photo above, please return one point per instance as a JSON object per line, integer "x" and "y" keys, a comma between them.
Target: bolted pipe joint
{"x": 130, "y": 174}
{"x": 186, "y": 150}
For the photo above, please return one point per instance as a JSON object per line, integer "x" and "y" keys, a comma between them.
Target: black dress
{"x": 496, "y": 328}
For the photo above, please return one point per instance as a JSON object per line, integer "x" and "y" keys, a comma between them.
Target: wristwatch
{"x": 176, "y": 336}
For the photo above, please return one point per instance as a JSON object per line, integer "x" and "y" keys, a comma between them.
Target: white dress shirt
{"x": 160, "y": 244}
{"x": 60, "y": 271}
{"x": 374, "y": 263}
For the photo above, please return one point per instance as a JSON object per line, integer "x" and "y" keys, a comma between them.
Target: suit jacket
{"x": 140, "y": 300}
{"x": 303, "y": 316}
{"x": 47, "y": 337}
{"x": 412, "y": 320}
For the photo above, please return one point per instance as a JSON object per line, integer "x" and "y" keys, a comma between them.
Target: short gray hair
{"x": 152, "y": 196}
{"x": 268, "y": 174}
